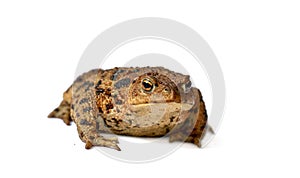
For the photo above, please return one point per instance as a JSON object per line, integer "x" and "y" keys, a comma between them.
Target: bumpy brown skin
{"x": 116, "y": 101}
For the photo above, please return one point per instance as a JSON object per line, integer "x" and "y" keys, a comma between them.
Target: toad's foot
{"x": 101, "y": 141}
{"x": 62, "y": 112}
{"x": 184, "y": 138}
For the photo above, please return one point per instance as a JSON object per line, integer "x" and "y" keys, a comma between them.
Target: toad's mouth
{"x": 160, "y": 107}
{"x": 184, "y": 96}
{"x": 184, "y": 102}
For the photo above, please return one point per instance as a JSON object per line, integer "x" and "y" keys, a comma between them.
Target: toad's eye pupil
{"x": 147, "y": 85}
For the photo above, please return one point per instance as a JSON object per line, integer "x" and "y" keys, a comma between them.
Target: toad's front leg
{"x": 195, "y": 125}
{"x": 88, "y": 125}
{"x": 92, "y": 138}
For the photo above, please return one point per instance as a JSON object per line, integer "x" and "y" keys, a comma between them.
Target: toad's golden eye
{"x": 147, "y": 85}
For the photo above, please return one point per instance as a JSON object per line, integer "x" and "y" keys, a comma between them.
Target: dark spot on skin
{"x": 136, "y": 70}
{"x": 194, "y": 110}
{"x": 77, "y": 115}
{"x": 84, "y": 100}
{"x": 72, "y": 106}
{"x": 87, "y": 109}
{"x": 100, "y": 110}
{"x": 134, "y": 81}
{"x": 81, "y": 135}
{"x": 188, "y": 85}
{"x": 122, "y": 83}
{"x": 109, "y": 106}
{"x": 100, "y": 90}
{"x": 108, "y": 93}
{"x": 172, "y": 118}
{"x": 118, "y": 72}
{"x": 98, "y": 84}
{"x": 119, "y": 102}
{"x": 91, "y": 84}
{"x": 84, "y": 122}
{"x": 106, "y": 123}
{"x": 167, "y": 130}
{"x": 79, "y": 79}
{"x": 129, "y": 122}
{"x": 87, "y": 89}
{"x": 78, "y": 88}
{"x": 91, "y": 137}
{"x": 56, "y": 109}
{"x": 117, "y": 122}
{"x": 112, "y": 77}
{"x": 86, "y": 84}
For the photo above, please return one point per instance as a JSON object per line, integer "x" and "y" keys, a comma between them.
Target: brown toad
{"x": 143, "y": 102}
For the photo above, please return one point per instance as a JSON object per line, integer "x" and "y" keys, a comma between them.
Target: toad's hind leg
{"x": 63, "y": 110}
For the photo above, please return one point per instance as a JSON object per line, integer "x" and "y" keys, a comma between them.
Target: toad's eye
{"x": 147, "y": 85}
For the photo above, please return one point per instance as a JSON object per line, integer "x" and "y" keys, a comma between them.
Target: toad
{"x": 133, "y": 101}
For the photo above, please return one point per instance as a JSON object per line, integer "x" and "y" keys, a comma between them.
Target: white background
{"x": 257, "y": 44}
